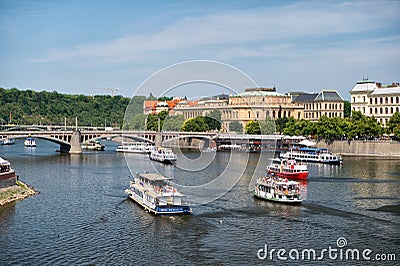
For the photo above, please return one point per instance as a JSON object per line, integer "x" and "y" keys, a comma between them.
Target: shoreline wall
{"x": 390, "y": 149}
{"x": 8, "y": 179}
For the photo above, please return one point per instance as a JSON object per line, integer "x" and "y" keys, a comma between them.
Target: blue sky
{"x": 76, "y": 46}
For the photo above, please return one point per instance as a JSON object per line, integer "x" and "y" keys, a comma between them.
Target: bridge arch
{"x": 119, "y": 135}
{"x": 65, "y": 146}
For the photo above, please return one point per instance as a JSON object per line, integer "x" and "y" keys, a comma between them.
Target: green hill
{"x": 29, "y": 107}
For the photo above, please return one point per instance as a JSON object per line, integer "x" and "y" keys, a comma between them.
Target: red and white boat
{"x": 289, "y": 169}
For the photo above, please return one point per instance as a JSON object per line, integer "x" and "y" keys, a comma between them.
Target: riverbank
{"x": 17, "y": 192}
{"x": 381, "y": 149}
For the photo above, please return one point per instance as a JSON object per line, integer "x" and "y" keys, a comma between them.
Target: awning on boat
{"x": 307, "y": 143}
{"x": 4, "y": 162}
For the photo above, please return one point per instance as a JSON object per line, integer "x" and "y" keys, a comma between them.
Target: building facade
{"x": 374, "y": 99}
{"x": 252, "y": 104}
{"x": 326, "y": 103}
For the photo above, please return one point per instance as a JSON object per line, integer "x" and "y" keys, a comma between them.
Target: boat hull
{"x": 271, "y": 198}
{"x": 166, "y": 161}
{"x": 158, "y": 210}
{"x": 289, "y": 175}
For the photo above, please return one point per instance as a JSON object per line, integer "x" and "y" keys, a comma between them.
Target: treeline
{"x": 51, "y": 108}
{"x": 358, "y": 126}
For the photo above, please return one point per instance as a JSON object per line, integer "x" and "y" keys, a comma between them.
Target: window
{"x": 386, "y": 110}
{"x": 391, "y": 110}
{"x": 370, "y": 101}
{"x": 376, "y": 100}
{"x": 354, "y": 100}
{"x": 386, "y": 100}
{"x": 391, "y": 99}
{"x": 364, "y": 99}
{"x": 381, "y": 100}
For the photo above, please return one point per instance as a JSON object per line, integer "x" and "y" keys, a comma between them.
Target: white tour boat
{"x": 7, "y": 141}
{"x": 30, "y": 142}
{"x": 314, "y": 155}
{"x": 155, "y": 193}
{"x": 93, "y": 145}
{"x": 136, "y": 147}
{"x": 163, "y": 155}
{"x": 278, "y": 189}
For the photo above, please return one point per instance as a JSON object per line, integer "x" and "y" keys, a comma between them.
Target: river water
{"x": 82, "y": 215}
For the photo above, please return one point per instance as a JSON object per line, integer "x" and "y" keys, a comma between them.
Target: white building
{"x": 374, "y": 99}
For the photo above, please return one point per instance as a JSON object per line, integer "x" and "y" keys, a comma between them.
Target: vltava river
{"x": 82, "y": 215}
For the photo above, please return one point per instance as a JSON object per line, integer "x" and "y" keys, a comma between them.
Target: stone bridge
{"x": 70, "y": 141}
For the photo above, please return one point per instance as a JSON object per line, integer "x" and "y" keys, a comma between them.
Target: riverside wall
{"x": 387, "y": 149}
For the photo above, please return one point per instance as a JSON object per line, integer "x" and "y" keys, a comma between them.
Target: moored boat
{"x": 7, "y": 174}
{"x": 314, "y": 155}
{"x": 7, "y": 141}
{"x": 288, "y": 169}
{"x": 93, "y": 145}
{"x": 277, "y": 189}
{"x": 155, "y": 194}
{"x": 163, "y": 155}
{"x": 30, "y": 142}
{"x": 136, "y": 147}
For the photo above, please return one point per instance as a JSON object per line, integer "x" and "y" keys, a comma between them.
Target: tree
{"x": 253, "y": 128}
{"x": 155, "y": 122}
{"x": 173, "y": 123}
{"x": 268, "y": 126}
{"x": 137, "y": 122}
{"x": 236, "y": 126}
{"x": 196, "y": 124}
{"x": 213, "y": 120}
{"x": 346, "y": 109}
{"x": 394, "y": 123}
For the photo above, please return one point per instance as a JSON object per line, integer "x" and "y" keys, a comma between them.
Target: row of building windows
{"x": 319, "y": 114}
{"x": 380, "y": 110}
{"x": 392, "y": 100}
{"x": 381, "y": 100}
{"x": 309, "y": 106}
{"x": 272, "y": 114}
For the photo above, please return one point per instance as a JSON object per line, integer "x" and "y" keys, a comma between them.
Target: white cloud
{"x": 243, "y": 33}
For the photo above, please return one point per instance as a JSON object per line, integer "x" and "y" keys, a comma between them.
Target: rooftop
{"x": 328, "y": 95}
{"x": 153, "y": 176}
{"x": 386, "y": 91}
{"x": 365, "y": 85}
{"x": 324, "y": 95}
{"x": 263, "y": 92}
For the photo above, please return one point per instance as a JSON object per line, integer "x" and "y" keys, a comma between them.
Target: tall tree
{"x": 236, "y": 126}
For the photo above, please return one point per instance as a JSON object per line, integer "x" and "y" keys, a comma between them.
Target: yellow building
{"x": 260, "y": 103}
{"x": 252, "y": 104}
